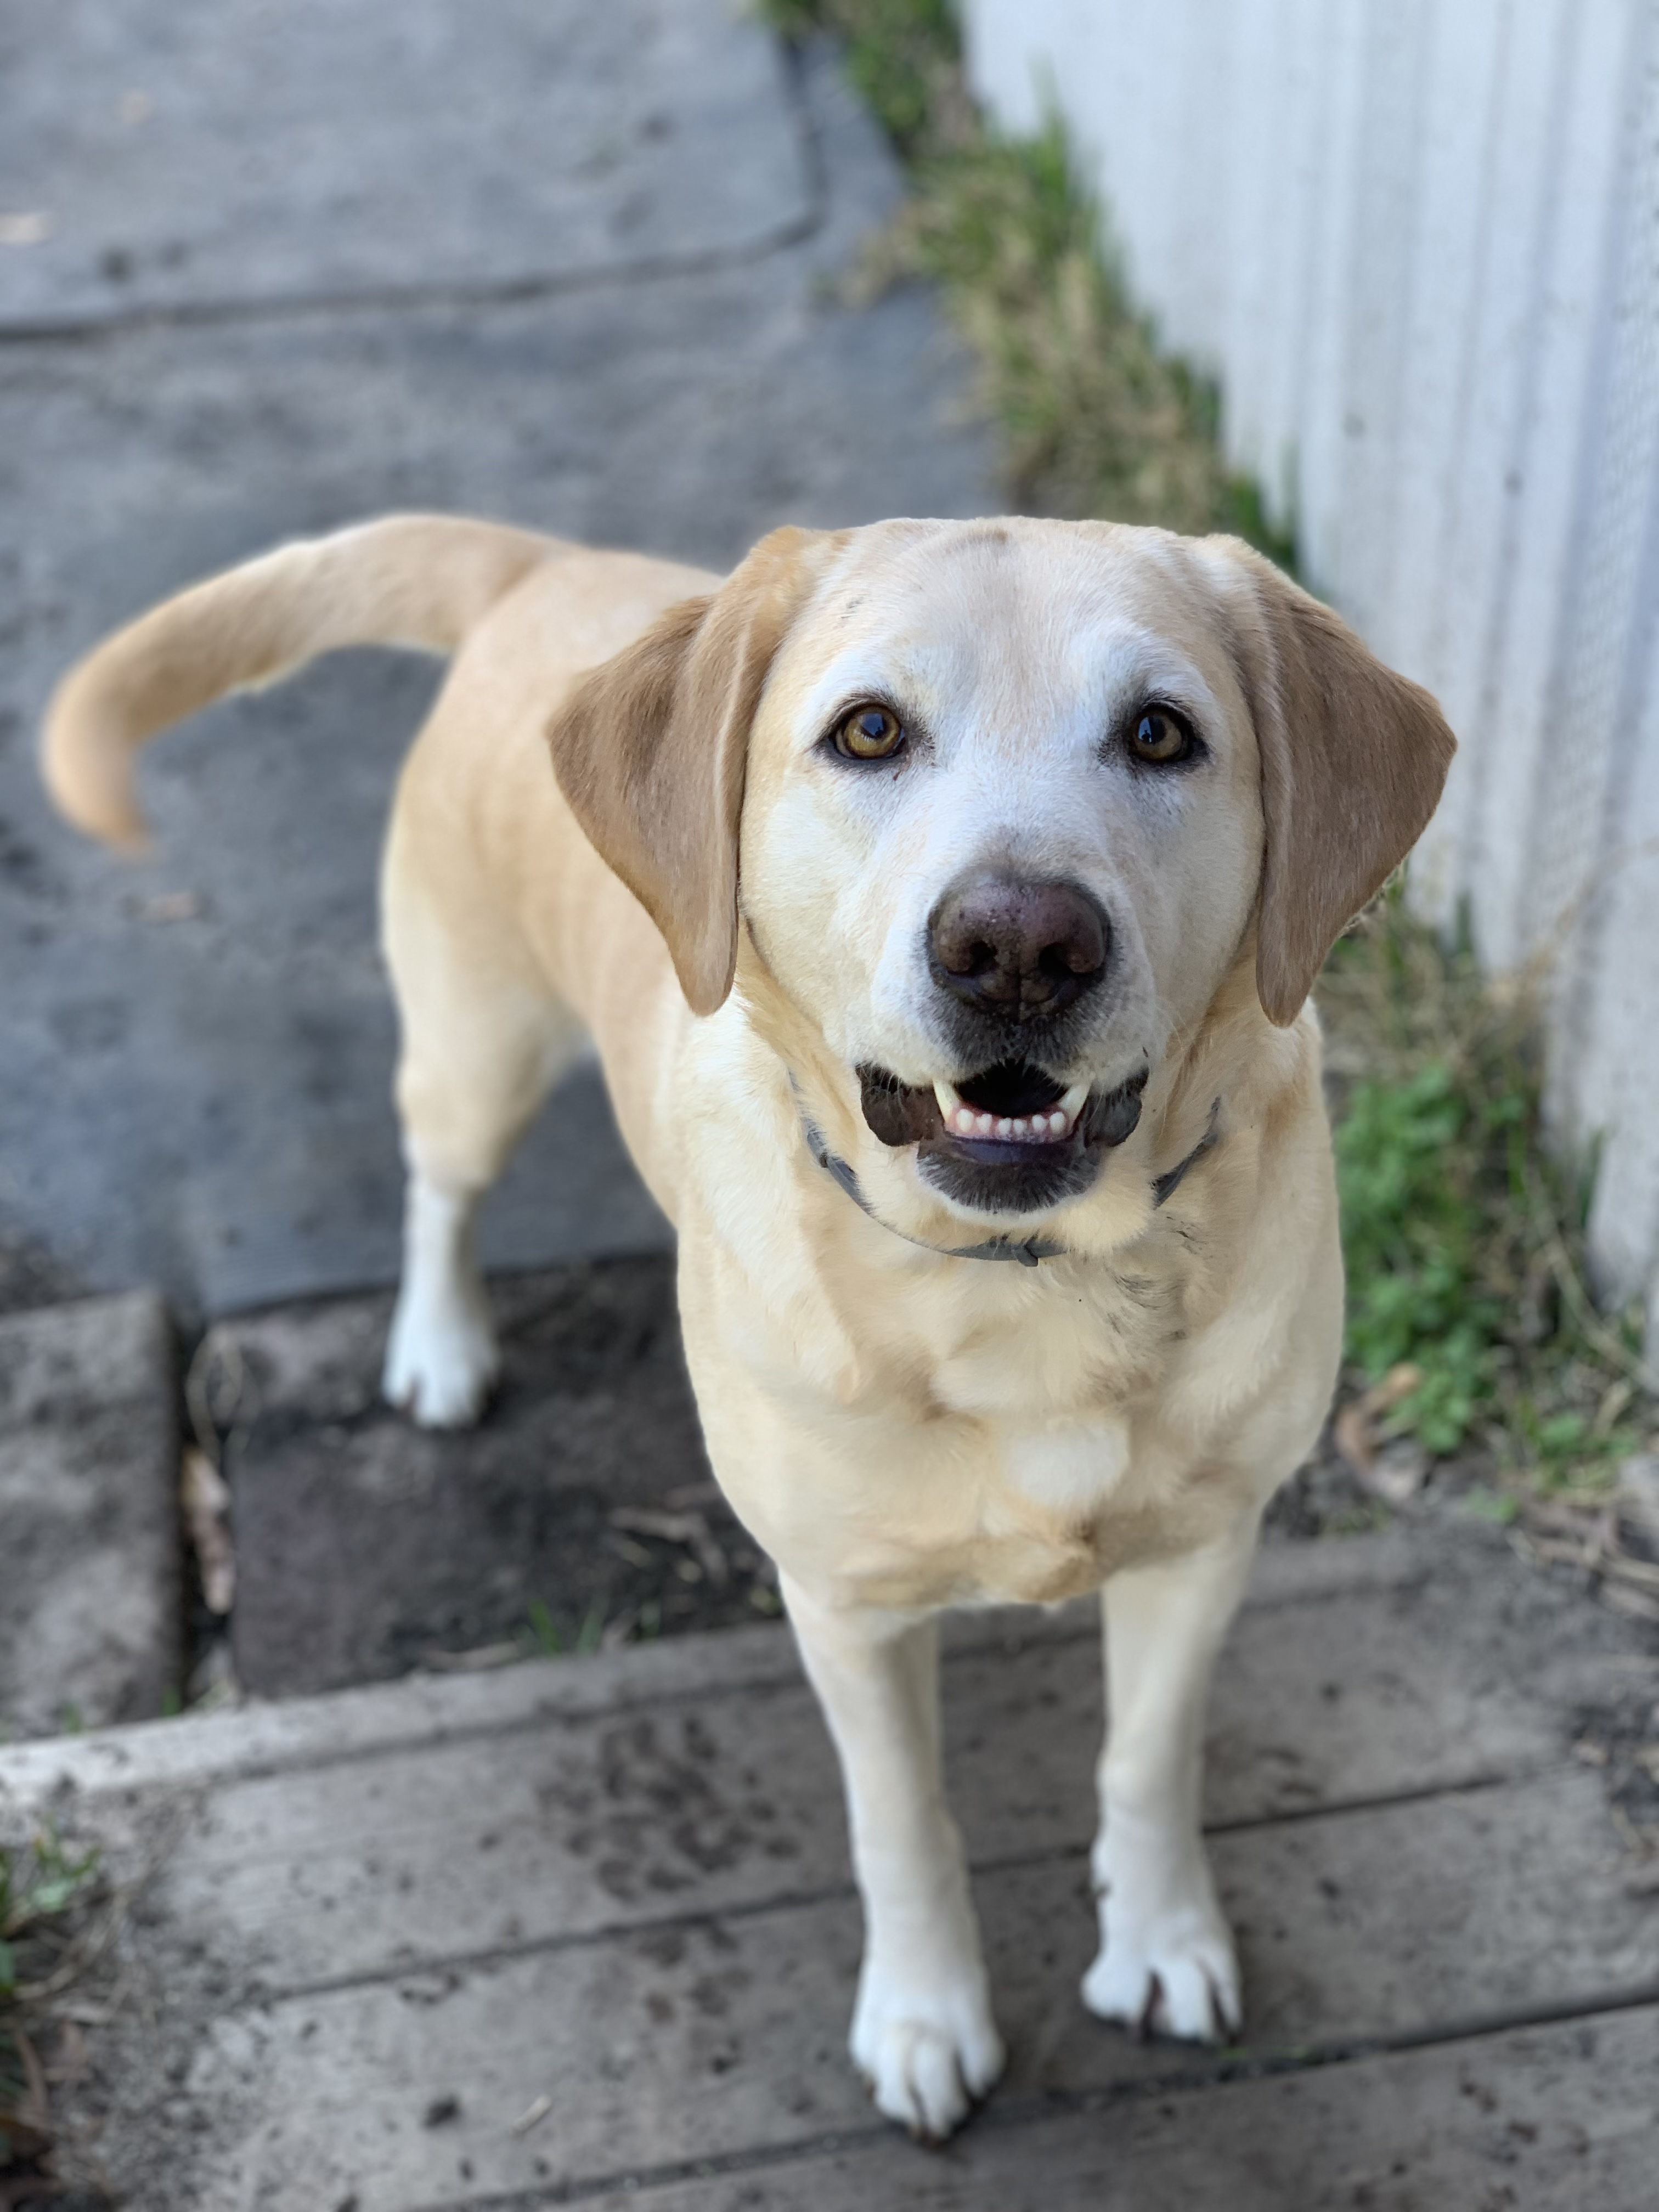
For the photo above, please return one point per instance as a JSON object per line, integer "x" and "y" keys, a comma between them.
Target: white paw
{"x": 928, "y": 2053}
{"x": 441, "y": 1360}
{"x": 1167, "y": 1965}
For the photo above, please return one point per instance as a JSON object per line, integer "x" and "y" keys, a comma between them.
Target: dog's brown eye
{"x": 1160, "y": 737}
{"x": 870, "y": 734}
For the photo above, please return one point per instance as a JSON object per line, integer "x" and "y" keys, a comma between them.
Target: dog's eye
{"x": 1160, "y": 736}
{"x": 869, "y": 733}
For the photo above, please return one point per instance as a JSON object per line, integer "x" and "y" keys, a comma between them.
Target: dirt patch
{"x": 581, "y": 1510}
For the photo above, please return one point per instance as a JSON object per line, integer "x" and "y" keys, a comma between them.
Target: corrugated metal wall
{"x": 1418, "y": 242}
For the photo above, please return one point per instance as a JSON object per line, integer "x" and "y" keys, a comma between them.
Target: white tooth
{"x": 1074, "y": 1101}
{"x": 983, "y": 1125}
{"x": 949, "y": 1099}
{"x": 1022, "y": 1127}
{"x": 1059, "y": 1123}
{"x": 964, "y": 1121}
{"x": 1005, "y": 1127}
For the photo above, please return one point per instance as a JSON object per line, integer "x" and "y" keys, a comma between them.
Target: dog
{"x": 944, "y": 900}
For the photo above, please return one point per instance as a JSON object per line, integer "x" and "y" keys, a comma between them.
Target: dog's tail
{"x": 413, "y": 580}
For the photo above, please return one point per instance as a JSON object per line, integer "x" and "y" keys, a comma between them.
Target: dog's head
{"x": 1002, "y": 803}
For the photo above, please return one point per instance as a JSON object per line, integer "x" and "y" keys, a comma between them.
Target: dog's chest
{"x": 1024, "y": 1478}
{"x": 1077, "y": 1346}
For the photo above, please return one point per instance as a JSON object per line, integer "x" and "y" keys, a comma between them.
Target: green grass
{"x": 1463, "y": 1238}
{"x": 550, "y": 1641}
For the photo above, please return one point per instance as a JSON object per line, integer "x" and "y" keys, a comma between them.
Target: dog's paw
{"x": 442, "y": 1362}
{"x": 928, "y": 2057}
{"x": 1167, "y": 1965}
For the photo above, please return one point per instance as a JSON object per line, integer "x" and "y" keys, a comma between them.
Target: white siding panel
{"x": 1561, "y": 355}
{"x": 1419, "y": 242}
{"x": 1440, "y": 323}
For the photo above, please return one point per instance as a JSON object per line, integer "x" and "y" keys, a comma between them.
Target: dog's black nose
{"x": 1018, "y": 950}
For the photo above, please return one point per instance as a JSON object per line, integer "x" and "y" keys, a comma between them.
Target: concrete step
{"x": 583, "y": 1929}
{"x": 90, "y": 1606}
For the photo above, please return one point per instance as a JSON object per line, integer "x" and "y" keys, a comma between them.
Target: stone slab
{"x": 199, "y": 1049}
{"x": 1556, "y": 2118}
{"x": 217, "y": 155}
{"x": 90, "y": 1608}
{"x": 706, "y": 2034}
{"x": 579, "y": 1928}
{"x": 328, "y": 1871}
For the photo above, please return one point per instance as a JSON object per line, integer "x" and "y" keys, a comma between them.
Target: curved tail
{"x": 413, "y": 580}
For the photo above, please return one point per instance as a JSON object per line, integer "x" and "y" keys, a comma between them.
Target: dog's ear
{"x": 651, "y": 750}
{"x": 1354, "y": 758}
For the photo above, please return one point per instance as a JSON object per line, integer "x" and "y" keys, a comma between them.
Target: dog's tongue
{"x": 898, "y": 1113}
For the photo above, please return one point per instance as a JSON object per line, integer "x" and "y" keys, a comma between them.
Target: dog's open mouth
{"x": 1012, "y": 1102}
{"x": 1012, "y": 1137}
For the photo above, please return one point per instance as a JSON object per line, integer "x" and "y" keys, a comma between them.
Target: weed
{"x": 38, "y": 1883}
{"x": 550, "y": 1641}
{"x": 1462, "y": 1233}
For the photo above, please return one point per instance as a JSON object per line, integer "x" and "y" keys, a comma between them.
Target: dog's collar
{"x": 1032, "y": 1248}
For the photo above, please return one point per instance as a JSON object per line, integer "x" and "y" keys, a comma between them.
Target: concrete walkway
{"x": 264, "y": 271}
{"x": 582, "y": 1930}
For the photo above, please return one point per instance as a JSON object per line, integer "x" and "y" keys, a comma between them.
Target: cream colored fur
{"x": 902, "y": 1430}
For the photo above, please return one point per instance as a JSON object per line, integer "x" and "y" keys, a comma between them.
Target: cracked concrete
{"x": 572, "y": 267}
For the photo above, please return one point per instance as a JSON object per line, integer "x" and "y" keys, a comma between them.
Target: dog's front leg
{"x": 1166, "y": 1955}
{"x": 441, "y": 1357}
{"x": 922, "y": 2034}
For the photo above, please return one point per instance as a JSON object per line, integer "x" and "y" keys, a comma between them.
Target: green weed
{"x": 549, "y": 1640}
{"x": 38, "y": 1882}
{"x": 1462, "y": 1234}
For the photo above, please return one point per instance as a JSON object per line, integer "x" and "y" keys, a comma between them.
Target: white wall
{"x": 1418, "y": 242}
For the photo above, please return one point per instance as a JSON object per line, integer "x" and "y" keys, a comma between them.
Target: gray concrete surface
{"x": 296, "y": 265}
{"x": 584, "y": 1931}
{"x": 90, "y": 1609}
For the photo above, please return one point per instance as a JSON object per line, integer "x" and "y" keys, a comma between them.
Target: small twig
{"x": 688, "y": 1529}
{"x": 35, "y": 2110}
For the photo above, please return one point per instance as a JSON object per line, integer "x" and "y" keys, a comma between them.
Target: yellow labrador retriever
{"x": 944, "y": 899}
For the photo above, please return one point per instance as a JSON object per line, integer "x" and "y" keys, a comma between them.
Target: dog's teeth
{"x": 1044, "y": 1127}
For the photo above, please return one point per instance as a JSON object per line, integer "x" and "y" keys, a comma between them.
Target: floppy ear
{"x": 1354, "y": 758}
{"x": 651, "y": 750}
